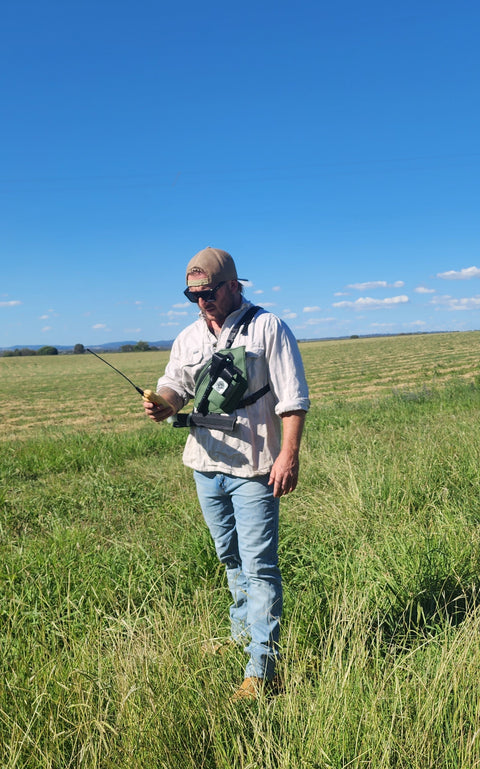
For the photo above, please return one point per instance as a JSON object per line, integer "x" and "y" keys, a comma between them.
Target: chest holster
{"x": 221, "y": 384}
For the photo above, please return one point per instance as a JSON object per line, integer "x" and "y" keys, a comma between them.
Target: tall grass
{"x": 110, "y": 585}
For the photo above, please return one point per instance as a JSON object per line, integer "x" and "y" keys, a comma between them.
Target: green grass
{"x": 109, "y": 583}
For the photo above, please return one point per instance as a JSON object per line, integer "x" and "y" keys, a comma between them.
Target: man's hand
{"x": 284, "y": 474}
{"x": 160, "y": 413}
{"x": 157, "y": 413}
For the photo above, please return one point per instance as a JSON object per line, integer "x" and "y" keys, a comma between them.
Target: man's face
{"x": 227, "y": 299}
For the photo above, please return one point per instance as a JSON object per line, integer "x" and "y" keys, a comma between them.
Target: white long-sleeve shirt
{"x": 272, "y": 356}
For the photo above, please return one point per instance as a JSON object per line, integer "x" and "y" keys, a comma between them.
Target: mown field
{"x": 110, "y": 584}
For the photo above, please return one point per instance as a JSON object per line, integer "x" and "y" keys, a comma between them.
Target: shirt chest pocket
{"x": 192, "y": 367}
{"x": 257, "y": 374}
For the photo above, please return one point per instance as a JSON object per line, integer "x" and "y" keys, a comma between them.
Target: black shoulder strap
{"x": 254, "y": 397}
{"x": 242, "y": 324}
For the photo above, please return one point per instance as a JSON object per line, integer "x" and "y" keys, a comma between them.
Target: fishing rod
{"x": 147, "y": 395}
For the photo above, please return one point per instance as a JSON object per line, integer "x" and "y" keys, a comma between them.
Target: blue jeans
{"x": 242, "y": 516}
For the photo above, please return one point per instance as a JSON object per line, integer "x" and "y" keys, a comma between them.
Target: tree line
{"x": 78, "y": 349}
{"x": 23, "y": 351}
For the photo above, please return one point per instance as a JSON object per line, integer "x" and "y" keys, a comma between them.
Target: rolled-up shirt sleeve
{"x": 285, "y": 367}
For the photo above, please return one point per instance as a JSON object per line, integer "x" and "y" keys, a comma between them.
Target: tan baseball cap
{"x": 217, "y": 265}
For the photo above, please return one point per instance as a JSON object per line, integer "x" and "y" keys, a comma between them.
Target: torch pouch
{"x": 222, "y": 382}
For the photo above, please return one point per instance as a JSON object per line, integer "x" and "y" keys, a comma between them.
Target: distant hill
{"x": 163, "y": 344}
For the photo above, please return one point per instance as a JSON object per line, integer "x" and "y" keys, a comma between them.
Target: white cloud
{"x": 46, "y": 328}
{"x": 11, "y": 303}
{"x": 415, "y": 323}
{"x": 289, "y": 315}
{"x": 341, "y": 293}
{"x": 423, "y": 290}
{"x": 445, "y": 299}
{"x": 173, "y": 313}
{"x": 453, "y": 305}
{"x": 311, "y": 309}
{"x": 276, "y": 288}
{"x": 367, "y": 303}
{"x": 465, "y": 274}
{"x": 369, "y": 285}
{"x": 43, "y": 317}
{"x": 268, "y": 304}
{"x": 97, "y": 326}
{"x": 181, "y": 305}
{"x": 258, "y": 291}
{"x": 382, "y": 325}
{"x": 314, "y": 321}
{"x": 131, "y": 330}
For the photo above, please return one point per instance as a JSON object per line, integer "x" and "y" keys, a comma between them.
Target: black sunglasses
{"x": 209, "y": 295}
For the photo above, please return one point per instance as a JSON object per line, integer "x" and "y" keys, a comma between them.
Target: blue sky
{"x": 332, "y": 148}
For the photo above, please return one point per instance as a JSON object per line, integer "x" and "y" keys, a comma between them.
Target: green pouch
{"x": 222, "y": 382}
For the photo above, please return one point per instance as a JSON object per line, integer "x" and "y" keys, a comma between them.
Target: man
{"x": 241, "y": 470}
